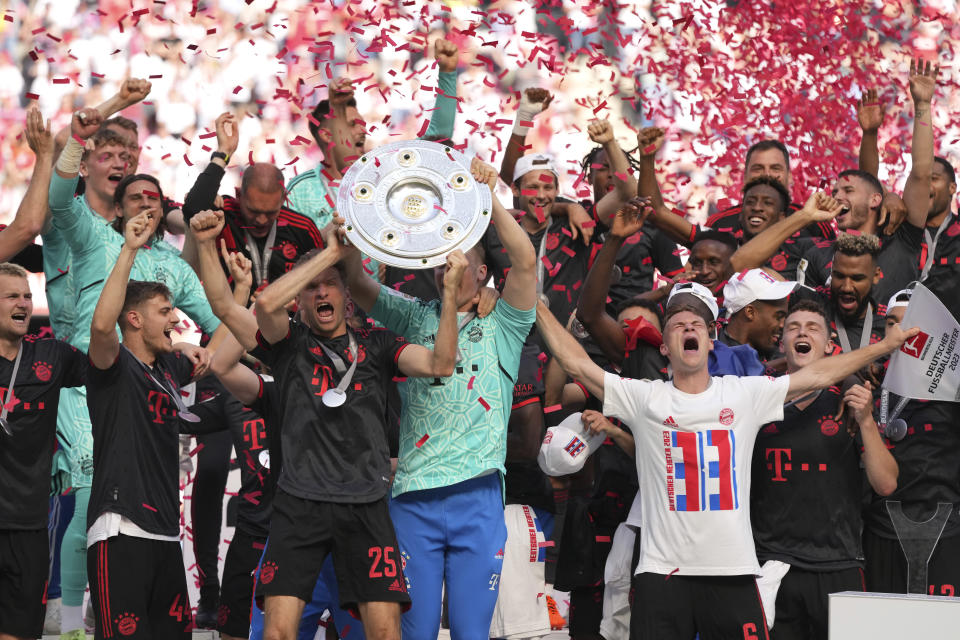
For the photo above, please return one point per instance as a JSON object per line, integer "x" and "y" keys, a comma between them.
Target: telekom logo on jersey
{"x": 701, "y": 469}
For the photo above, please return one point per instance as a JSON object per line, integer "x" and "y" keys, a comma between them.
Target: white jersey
{"x": 693, "y": 461}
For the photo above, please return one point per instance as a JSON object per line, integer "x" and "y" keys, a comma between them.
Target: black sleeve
{"x": 271, "y": 354}
{"x": 910, "y": 236}
{"x": 74, "y": 365}
{"x": 211, "y": 415}
{"x": 182, "y": 369}
{"x": 203, "y": 192}
{"x": 30, "y": 258}
{"x": 664, "y": 252}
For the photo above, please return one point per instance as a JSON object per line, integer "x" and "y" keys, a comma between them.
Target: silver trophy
{"x": 408, "y": 204}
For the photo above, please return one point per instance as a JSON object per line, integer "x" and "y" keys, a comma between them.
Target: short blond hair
{"x": 11, "y": 269}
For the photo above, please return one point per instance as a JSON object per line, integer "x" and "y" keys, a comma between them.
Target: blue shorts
{"x": 454, "y": 534}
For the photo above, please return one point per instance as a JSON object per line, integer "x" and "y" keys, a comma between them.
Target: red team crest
{"x": 829, "y": 426}
{"x": 127, "y": 624}
{"x": 726, "y": 417}
{"x": 268, "y": 572}
{"x": 914, "y": 346}
{"x": 42, "y": 371}
{"x": 289, "y": 250}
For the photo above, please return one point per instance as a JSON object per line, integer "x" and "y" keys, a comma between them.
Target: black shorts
{"x": 802, "y": 609}
{"x": 236, "y": 588}
{"x": 24, "y": 567}
{"x": 138, "y": 589}
{"x": 886, "y": 566}
{"x": 716, "y": 607}
{"x": 360, "y": 537}
{"x": 586, "y": 610}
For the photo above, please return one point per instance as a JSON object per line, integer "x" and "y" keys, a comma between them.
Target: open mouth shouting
{"x": 802, "y": 347}
{"x": 20, "y": 319}
{"x": 691, "y": 345}
{"x": 325, "y": 312}
{"x": 847, "y": 303}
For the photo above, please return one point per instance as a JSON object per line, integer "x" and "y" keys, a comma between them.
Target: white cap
{"x": 894, "y": 303}
{"x": 534, "y": 162}
{"x": 567, "y": 446}
{"x": 698, "y": 291}
{"x": 754, "y": 284}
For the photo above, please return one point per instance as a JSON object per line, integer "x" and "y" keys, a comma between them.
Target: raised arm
{"x": 227, "y": 306}
{"x": 591, "y": 308}
{"x": 238, "y": 379}
{"x": 532, "y": 102}
{"x": 881, "y": 467}
{"x": 870, "y": 117}
{"x": 271, "y": 303}
{"x": 625, "y": 185}
{"x": 650, "y": 140}
{"x": 32, "y": 213}
{"x": 419, "y": 361}
{"x": 76, "y": 229}
{"x": 203, "y": 193}
{"x": 818, "y": 208}
{"x": 445, "y": 106}
{"x": 132, "y": 91}
{"x": 104, "y": 344}
{"x": 520, "y": 287}
{"x": 916, "y": 192}
{"x": 569, "y": 353}
{"x": 828, "y": 371}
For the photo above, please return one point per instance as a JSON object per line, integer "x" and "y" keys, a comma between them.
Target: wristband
{"x": 526, "y": 112}
{"x": 69, "y": 161}
{"x": 220, "y": 154}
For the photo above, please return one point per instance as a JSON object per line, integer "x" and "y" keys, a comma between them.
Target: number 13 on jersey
{"x": 701, "y": 470}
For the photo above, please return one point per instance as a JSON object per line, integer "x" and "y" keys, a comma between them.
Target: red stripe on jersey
{"x": 525, "y": 402}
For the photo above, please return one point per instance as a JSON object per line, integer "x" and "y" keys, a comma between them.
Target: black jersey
{"x": 898, "y": 261}
{"x": 136, "y": 445}
{"x": 643, "y": 253}
{"x": 929, "y": 471}
{"x": 806, "y": 494}
{"x": 563, "y": 261}
{"x": 728, "y": 221}
{"x": 525, "y": 483}
{"x": 261, "y": 457}
{"x": 294, "y": 234}
{"x": 644, "y": 362}
{"x": 335, "y": 454}
{"x": 876, "y": 322}
{"x": 27, "y": 455}
{"x": 251, "y": 432}
{"x": 942, "y": 278}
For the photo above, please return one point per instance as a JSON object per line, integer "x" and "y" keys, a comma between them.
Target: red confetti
{"x": 146, "y": 506}
{"x": 484, "y": 403}
{"x": 422, "y": 440}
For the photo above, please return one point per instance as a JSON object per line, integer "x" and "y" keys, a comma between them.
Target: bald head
{"x": 261, "y": 196}
{"x": 262, "y": 176}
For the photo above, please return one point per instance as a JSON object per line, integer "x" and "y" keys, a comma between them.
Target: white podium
{"x": 856, "y": 615}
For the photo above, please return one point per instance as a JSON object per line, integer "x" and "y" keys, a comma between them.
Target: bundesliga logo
{"x": 914, "y": 346}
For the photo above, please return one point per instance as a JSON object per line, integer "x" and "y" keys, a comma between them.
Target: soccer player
{"x": 694, "y": 439}
{"x": 331, "y": 495}
{"x": 929, "y": 477}
{"x": 756, "y": 305}
{"x": 805, "y": 503}
{"x": 447, "y": 494}
{"x": 133, "y": 537}
{"x": 32, "y": 373}
{"x": 258, "y": 225}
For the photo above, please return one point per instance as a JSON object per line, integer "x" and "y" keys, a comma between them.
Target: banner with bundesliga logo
{"x": 927, "y": 366}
